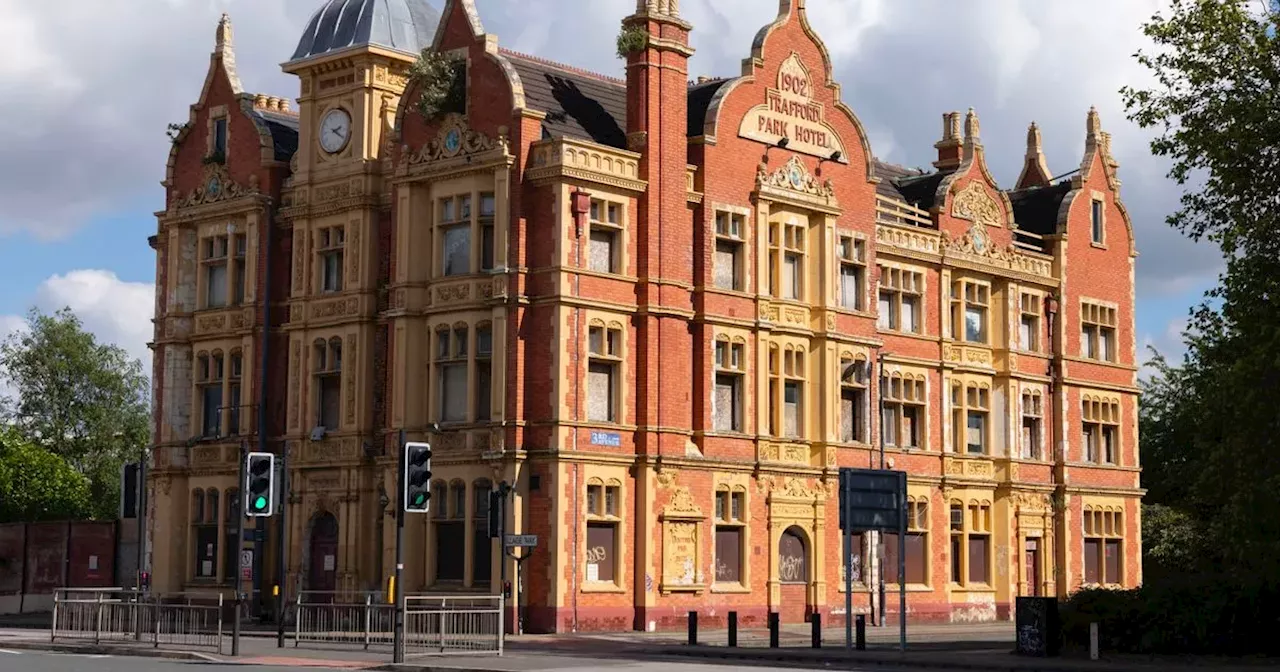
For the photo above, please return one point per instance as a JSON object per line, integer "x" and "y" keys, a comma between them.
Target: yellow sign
{"x": 790, "y": 112}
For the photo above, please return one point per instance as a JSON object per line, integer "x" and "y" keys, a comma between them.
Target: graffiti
{"x": 791, "y": 568}
{"x": 722, "y": 571}
{"x": 597, "y": 555}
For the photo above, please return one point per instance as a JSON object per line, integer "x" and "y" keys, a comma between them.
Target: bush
{"x": 1208, "y": 614}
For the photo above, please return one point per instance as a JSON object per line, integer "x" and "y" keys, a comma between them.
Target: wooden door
{"x": 1032, "y": 560}
{"x": 322, "y": 574}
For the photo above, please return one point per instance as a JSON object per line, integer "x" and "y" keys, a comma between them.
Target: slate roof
{"x": 403, "y": 25}
{"x": 700, "y": 96}
{"x": 1036, "y": 209}
{"x": 578, "y": 105}
{"x": 284, "y": 132}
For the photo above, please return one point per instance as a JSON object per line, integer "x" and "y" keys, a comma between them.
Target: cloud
{"x": 113, "y": 310}
{"x": 84, "y": 131}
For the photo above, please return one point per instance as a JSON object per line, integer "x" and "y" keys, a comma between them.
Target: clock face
{"x": 335, "y": 130}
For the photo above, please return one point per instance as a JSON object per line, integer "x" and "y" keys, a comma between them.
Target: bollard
{"x": 815, "y": 621}
{"x": 693, "y": 628}
{"x": 235, "y": 627}
{"x": 1093, "y": 641}
{"x": 773, "y": 629}
{"x": 733, "y": 628}
{"x": 860, "y": 632}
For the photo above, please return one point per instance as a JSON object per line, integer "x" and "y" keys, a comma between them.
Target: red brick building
{"x": 666, "y": 311}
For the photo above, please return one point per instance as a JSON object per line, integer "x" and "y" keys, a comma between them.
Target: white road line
{"x": 12, "y": 653}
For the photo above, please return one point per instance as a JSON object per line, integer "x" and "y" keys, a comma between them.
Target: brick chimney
{"x": 657, "y": 125}
{"x": 949, "y": 147}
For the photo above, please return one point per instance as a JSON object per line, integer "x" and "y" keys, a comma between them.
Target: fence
{"x": 453, "y": 625}
{"x": 342, "y": 618}
{"x": 184, "y": 620}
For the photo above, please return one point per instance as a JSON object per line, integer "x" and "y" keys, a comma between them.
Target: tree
{"x": 36, "y": 485}
{"x": 1211, "y": 441}
{"x": 80, "y": 400}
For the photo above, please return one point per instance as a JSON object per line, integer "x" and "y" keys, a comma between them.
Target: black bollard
{"x": 816, "y": 622}
{"x": 860, "y": 632}
{"x": 773, "y": 629}
{"x": 733, "y": 628}
{"x": 693, "y": 628}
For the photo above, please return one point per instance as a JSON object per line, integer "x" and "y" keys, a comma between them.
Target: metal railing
{"x": 453, "y": 624}
{"x": 186, "y": 620}
{"x": 342, "y": 618}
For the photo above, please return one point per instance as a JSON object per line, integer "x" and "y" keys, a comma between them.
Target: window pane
{"x": 791, "y": 409}
{"x": 238, "y": 290}
{"x": 486, "y": 247}
{"x": 791, "y": 277}
{"x": 482, "y": 553}
{"x": 1097, "y": 221}
{"x": 484, "y": 393}
{"x": 849, "y": 286}
{"x": 1030, "y": 438}
{"x": 1105, "y": 349}
{"x": 1025, "y": 333}
{"x": 886, "y": 320}
{"x": 600, "y": 397}
{"x": 849, "y": 407}
{"x": 600, "y": 252}
{"x": 330, "y": 401}
{"x": 975, "y": 324}
{"x": 450, "y": 555}
{"x": 978, "y": 558}
{"x": 220, "y": 136}
{"x": 457, "y": 250}
{"x": 453, "y": 393}
{"x": 728, "y": 554}
{"x": 212, "y": 410}
{"x": 889, "y": 424}
{"x": 910, "y": 426}
{"x": 332, "y": 281}
{"x": 1112, "y": 552}
{"x": 593, "y": 499}
{"x": 890, "y": 557}
{"x": 217, "y": 286}
{"x": 908, "y": 316}
{"x": 233, "y": 409}
{"x": 917, "y": 554}
{"x": 206, "y": 551}
{"x": 975, "y": 440}
{"x": 1091, "y": 552}
{"x": 956, "y": 549}
{"x": 600, "y": 551}
{"x": 611, "y": 501}
{"x": 484, "y": 342}
{"x": 486, "y": 205}
{"x": 1087, "y": 342}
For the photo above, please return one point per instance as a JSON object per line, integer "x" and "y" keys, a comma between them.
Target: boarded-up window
{"x": 793, "y": 566}
{"x": 851, "y": 404}
{"x": 481, "y": 544}
{"x": 450, "y": 551}
{"x": 600, "y": 551}
{"x": 978, "y": 558}
{"x": 457, "y": 250}
{"x": 857, "y": 557}
{"x": 728, "y": 554}
{"x": 330, "y": 400}
{"x": 851, "y": 286}
{"x": 915, "y": 557}
{"x": 206, "y": 551}
{"x": 1092, "y": 551}
{"x": 600, "y": 380}
{"x": 728, "y": 402}
{"x": 600, "y": 251}
{"x": 453, "y": 393}
{"x": 726, "y": 266}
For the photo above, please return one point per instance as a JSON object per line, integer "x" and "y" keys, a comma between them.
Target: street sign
{"x": 520, "y": 540}
{"x": 871, "y": 499}
{"x": 246, "y": 559}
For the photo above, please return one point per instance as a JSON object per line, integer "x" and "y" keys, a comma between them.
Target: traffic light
{"x": 259, "y": 485}
{"x": 417, "y": 477}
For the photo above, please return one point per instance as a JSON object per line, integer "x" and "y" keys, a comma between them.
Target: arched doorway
{"x": 322, "y": 570}
{"x": 793, "y": 574}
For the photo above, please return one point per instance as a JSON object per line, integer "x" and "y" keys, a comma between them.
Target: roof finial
{"x": 971, "y": 126}
{"x": 1033, "y": 140}
{"x": 1035, "y": 170}
{"x": 1093, "y": 125}
{"x": 223, "y": 36}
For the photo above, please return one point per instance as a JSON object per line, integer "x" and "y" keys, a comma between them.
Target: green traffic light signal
{"x": 260, "y": 503}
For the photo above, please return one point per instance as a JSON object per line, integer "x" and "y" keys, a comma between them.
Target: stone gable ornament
{"x": 794, "y": 177}
{"x": 456, "y": 139}
{"x": 975, "y": 204}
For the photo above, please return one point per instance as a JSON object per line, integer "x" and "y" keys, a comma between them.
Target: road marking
{"x": 12, "y": 653}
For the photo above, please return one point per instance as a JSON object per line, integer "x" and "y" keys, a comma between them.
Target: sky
{"x": 88, "y": 88}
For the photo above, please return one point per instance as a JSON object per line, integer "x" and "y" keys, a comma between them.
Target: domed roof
{"x": 402, "y": 25}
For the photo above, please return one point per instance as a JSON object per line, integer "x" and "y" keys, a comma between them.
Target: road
{"x": 39, "y": 661}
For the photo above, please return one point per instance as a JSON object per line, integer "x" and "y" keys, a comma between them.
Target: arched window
{"x": 793, "y": 557}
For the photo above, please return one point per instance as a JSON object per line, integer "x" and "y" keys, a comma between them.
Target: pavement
{"x": 930, "y": 648}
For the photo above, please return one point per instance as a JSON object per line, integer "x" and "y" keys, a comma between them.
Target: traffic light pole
{"x": 397, "y": 655}
{"x": 282, "y": 493}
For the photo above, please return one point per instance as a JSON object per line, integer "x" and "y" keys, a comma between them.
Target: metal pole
{"x": 235, "y": 626}
{"x": 504, "y": 489}
{"x": 880, "y": 533}
{"x": 140, "y": 503}
{"x": 902, "y": 561}
{"x": 397, "y": 655}
{"x": 282, "y": 495}
{"x": 847, "y": 533}
{"x": 239, "y": 545}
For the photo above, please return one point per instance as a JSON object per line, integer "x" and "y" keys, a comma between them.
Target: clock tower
{"x": 352, "y": 62}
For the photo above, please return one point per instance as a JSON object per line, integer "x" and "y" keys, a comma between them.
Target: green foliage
{"x": 174, "y": 130}
{"x": 1210, "y": 431}
{"x": 441, "y": 82}
{"x": 36, "y": 485}
{"x": 80, "y": 400}
{"x": 1213, "y": 614}
{"x": 631, "y": 40}
{"x": 1171, "y": 540}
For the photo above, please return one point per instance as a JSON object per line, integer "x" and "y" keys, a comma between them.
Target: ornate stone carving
{"x": 206, "y": 455}
{"x": 666, "y": 477}
{"x": 399, "y": 299}
{"x": 295, "y": 367}
{"x": 208, "y": 323}
{"x": 765, "y": 484}
{"x": 966, "y": 355}
{"x": 975, "y": 204}
{"x": 793, "y": 511}
{"x": 682, "y": 503}
{"x": 831, "y": 321}
{"x": 335, "y": 308}
{"x": 796, "y": 489}
{"x": 453, "y": 293}
{"x": 793, "y": 177}
{"x": 905, "y": 239}
{"x": 680, "y": 555}
{"x": 216, "y": 185}
{"x": 455, "y": 139}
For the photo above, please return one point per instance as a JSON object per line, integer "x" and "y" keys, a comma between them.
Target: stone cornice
{"x": 565, "y": 158}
